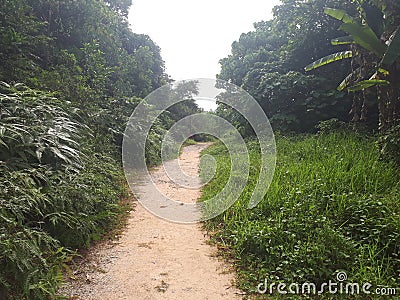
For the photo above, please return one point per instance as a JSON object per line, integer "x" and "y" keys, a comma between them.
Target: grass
{"x": 332, "y": 206}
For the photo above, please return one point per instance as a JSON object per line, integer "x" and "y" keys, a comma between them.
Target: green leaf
{"x": 58, "y": 153}
{"x": 329, "y": 59}
{"x": 344, "y": 40}
{"x": 367, "y": 84}
{"x": 383, "y": 71}
{"x": 365, "y": 37}
{"x": 374, "y": 18}
{"x": 340, "y": 15}
{"x": 349, "y": 79}
{"x": 393, "y": 50}
{"x": 4, "y": 144}
{"x": 379, "y": 71}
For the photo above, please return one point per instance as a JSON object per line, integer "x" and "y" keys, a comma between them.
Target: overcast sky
{"x": 195, "y": 35}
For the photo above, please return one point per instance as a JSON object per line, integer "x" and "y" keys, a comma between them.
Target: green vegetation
{"x": 269, "y": 64}
{"x": 333, "y": 203}
{"x": 332, "y": 206}
{"x": 375, "y": 49}
{"x": 57, "y": 192}
{"x": 75, "y": 72}
{"x": 72, "y": 72}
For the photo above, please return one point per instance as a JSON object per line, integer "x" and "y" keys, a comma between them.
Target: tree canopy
{"x": 71, "y": 74}
{"x": 374, "y": 42}
{"x": 269, "y": 63}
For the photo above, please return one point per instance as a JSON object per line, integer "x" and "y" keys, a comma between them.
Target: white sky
{"x": 195, "y": 35}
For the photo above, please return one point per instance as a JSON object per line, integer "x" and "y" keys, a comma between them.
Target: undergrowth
{"x": 58, "y": 193}
{"x": 331, "y": 207}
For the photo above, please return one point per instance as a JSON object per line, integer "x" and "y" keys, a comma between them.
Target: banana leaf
{"x": 349, "y": 79}
{"x": 340, "y": 15}
{"x": 329, "y": 59}
{"x": 365, "y": 37}
{"x": 367, "y": 84}
{"x": 344, "y": 40}
{"x": 374, "y": 18}
{"x": 393, "y": 50}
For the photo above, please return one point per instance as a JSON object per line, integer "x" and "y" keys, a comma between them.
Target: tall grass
{"x": 332, "y": 206}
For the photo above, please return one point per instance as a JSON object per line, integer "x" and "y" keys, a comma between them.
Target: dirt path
{"x": 157, "y": 259}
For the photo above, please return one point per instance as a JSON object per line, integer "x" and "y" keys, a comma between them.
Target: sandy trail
{"x": 157, "y": 259}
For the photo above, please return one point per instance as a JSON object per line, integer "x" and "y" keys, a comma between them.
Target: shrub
{"x": 57, "y": 193}
{"x": 332, "y": 125}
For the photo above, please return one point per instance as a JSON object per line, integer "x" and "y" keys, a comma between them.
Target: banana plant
{"x": 375, "y": 50}
{"x": 365, "y": 35}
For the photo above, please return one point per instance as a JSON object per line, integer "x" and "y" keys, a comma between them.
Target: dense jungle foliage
{"x": 333, "y": 203}
{"x": 71, "y": 74}
{"x": 269, "y": 63}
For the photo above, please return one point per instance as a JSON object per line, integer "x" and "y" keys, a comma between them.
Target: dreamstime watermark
{"x": 147, "y": 114}
{"x": 340, "y": 286}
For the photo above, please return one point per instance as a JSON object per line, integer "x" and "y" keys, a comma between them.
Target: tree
{"x": 60, "y": 139}
{"x": 120, "y": 6}
{"x": 375, "y": 51}
{"x": 268, "y": 63}
{"x": 22, "y": 39}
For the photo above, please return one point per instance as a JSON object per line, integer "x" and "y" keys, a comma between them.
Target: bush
{"x": 332, "y": 125}
{"x": 57, "y": 193}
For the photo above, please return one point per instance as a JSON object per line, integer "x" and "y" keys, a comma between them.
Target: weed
{"x": 332, "y": 205}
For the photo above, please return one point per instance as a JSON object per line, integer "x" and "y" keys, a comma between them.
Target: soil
{"x": 155, "y": 258}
